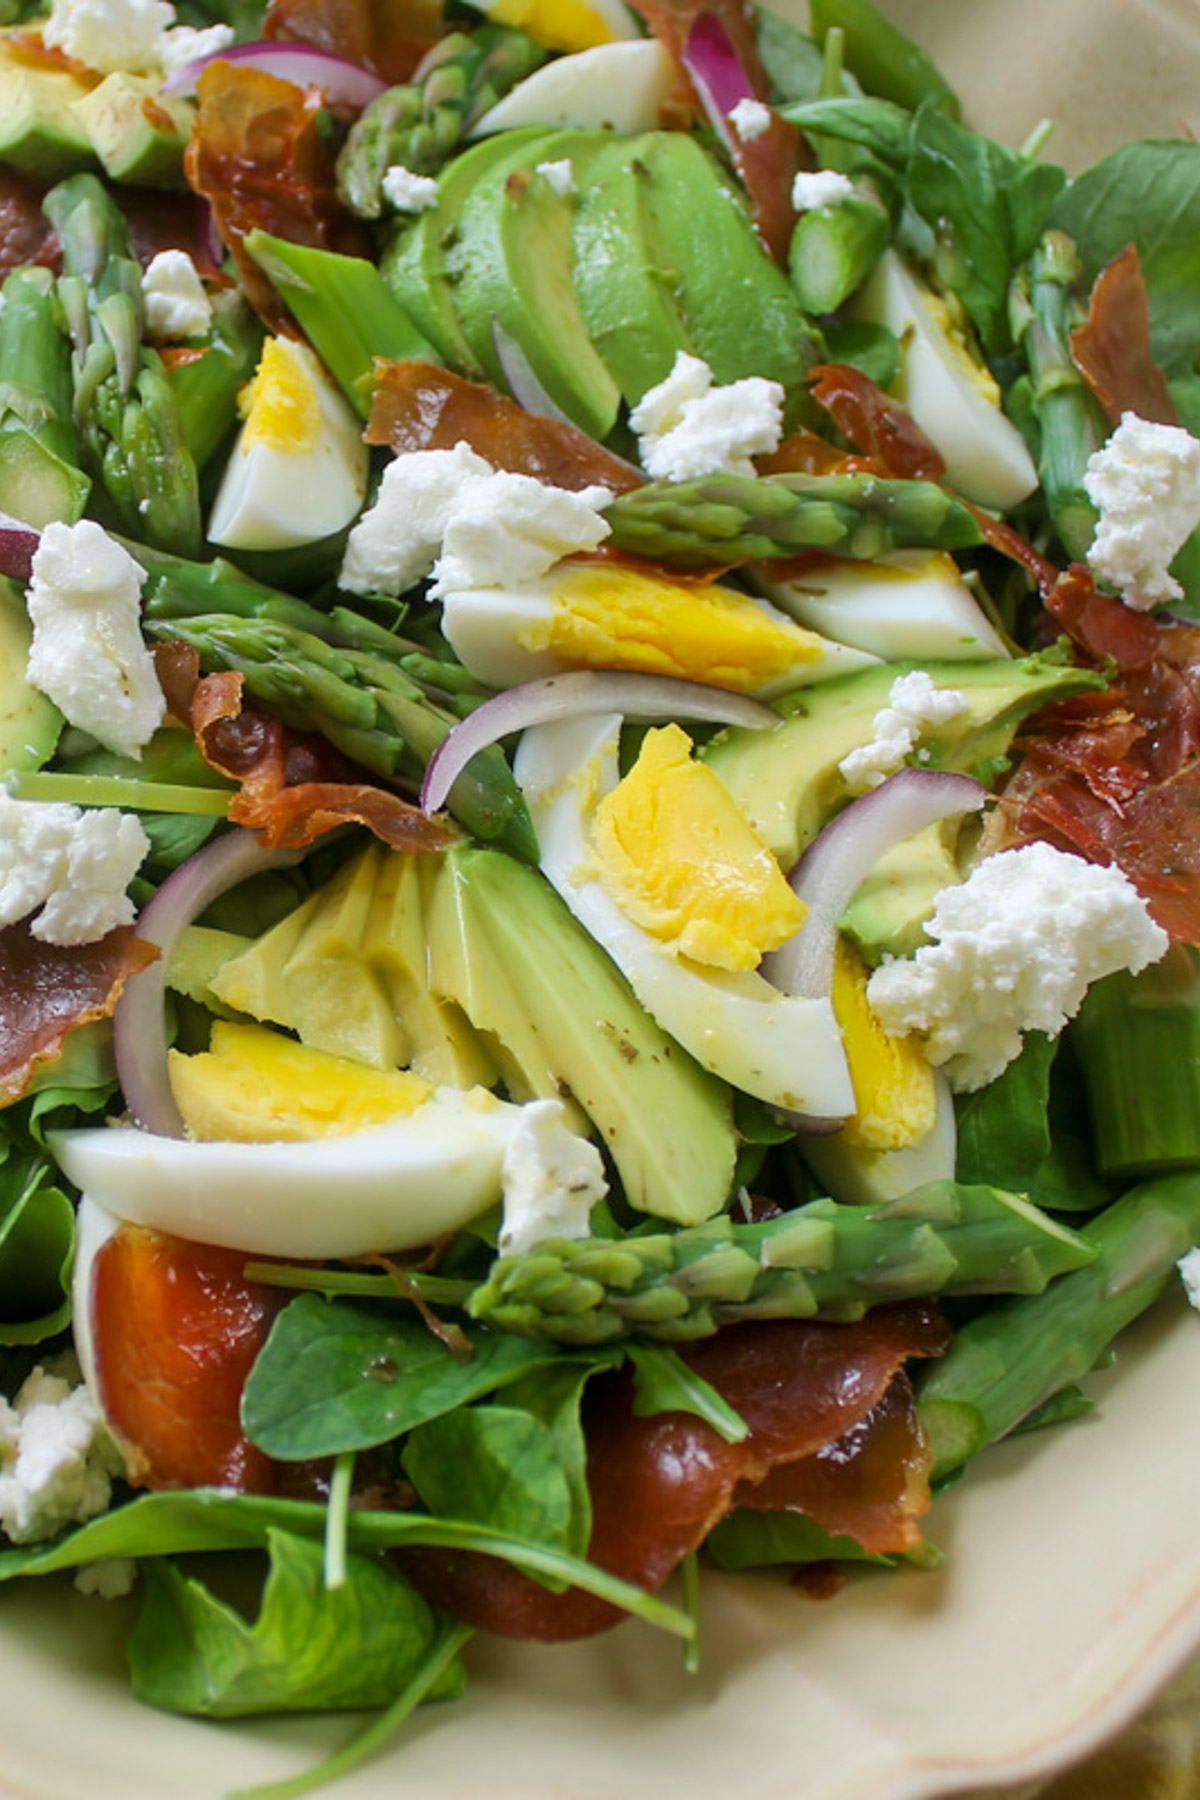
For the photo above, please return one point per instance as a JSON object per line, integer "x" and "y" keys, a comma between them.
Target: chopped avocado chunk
{"x": 39, "y": 130}
{"x": 29, "y": 723}
{"x": 138, "y": 133}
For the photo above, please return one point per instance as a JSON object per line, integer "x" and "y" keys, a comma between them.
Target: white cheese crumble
{"x": 176, "y": 303}
{"x": 1146, "y": 483}
{"x": 551, "y": 1179}
{"x": 406, "y": 191}
{"x": 57, "y": 1458}
{"x": 109, "y": 34}
{"x": 1189, "y": 1272}
{"x": 184, "y": 44}
{"x": 559, "y": 177}
{"x": 450, "y": 514}
{"x": 88, "y": 654}
{"x": 688, "y": 426}
{"x": 915, "y": 703}
{"x": 75, "y": 866}
{"x": 750, "y": 119}
{"x": 1013, "y": 949}
{"x": 812, "y": 188}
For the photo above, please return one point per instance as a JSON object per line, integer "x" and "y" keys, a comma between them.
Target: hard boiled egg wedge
{"x": 609, "y": 615}
{"x": 911, "y": 606}
{"x": 298, "y": 471}
{"x": 324, "y": 1184}
{"x": 623, "y": 86}
{"x": 949, "y": 393}
{"x": 564, "y": 24}
{"x": 786, "y": 1050}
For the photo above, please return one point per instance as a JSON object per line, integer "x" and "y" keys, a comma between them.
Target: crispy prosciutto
{"x": 259, "y": 157}
{"x": 812, "y": 1394}
{"x": 26, "y": 235}
{"x": 1112, "y": 351}
{"x": 294, "y": 787}
{"x": 417, "y": 406}
{"x": 389, "y": 37}
{"x": 49, "y": 990}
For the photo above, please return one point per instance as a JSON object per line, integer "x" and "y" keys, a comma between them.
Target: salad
{"x": 597, "y": 890}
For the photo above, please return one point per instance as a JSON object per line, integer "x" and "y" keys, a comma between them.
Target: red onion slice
{"x": 18, "y": 543}
{"x": 304, "y": 64}
{"x": 523, "y": 383}
{"x": 716, "y": 72}
{"x": 844, "y": 853}
{"x": 582, "y": 691}
{"x": 139, "y": 1024}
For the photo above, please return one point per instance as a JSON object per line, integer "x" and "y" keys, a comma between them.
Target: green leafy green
{"x": 881, "y": 56}
{"x": 1148, "y": 194}
{"x": 496, "y": 1465}
{"x": 334, "y": 1377}
{"x": 1026, "y": 1131}
{"x": 755, "y": 1540}
{"x": 37, "y": 1242}
{"x": 665, "y": 1383}
{"x": 311, "y": 1648}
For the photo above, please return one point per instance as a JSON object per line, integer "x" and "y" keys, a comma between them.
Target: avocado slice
{"x": 138, "y": 133}
{"x": 29, "y": 723}
{"x": 737, "y": 305}
{"x": 511, "y": 268}
{"x": 414, "y": 263}
{"x": 628, "y": 304}
{"x": 788, "y": 782}
{"x": 503, "y": 944}
{"x": 39, "y": 131}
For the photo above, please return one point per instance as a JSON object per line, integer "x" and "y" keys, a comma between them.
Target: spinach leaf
{"x": 555, "y": 1396}
{"x": 663, "y": 1382}
{"x": 986, "y": 206}
{"x": 1148, "y": 194}
{"x": 877, "y": 126}
{"x": 334, "y": 1377}
{"x": 793, "y": 64}
{"x": 37, "y": 1242}
{"x": 880, "y": 55}
{"x": 753, "y": 1540}
{"x": 310, "y": 1648}
{"x": 1027, "y": 1131}
{"x": 496, "y": 1465}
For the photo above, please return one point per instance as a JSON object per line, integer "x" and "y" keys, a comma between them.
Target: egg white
{"x": 622, "y": 86}
{"x": 986, "y": 457}
{"x": 485, "y": 625}
{"x": 273, "y": 498}
{"x": 911, "y": 606}
{"x": 861, "y": 1177}
{"x": 393, "y": 1187}
{"x": 784, "y": 1049}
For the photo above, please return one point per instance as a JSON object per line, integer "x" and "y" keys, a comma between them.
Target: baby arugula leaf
{"x": 334, "y": 1377}
{"x": 311, "y": 1648}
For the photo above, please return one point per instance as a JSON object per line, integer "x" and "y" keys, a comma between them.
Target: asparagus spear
{"x": 835, "y": 247}
{"x": 366, "y": 705}
{"x": 718, "y": 520}
{"x": 822, "y": 1260}
{"x": 1137, "y": 1039}
{"x": 1044, "y": 307}
{"x": 40, "y": 477}
{"x": 422, "y": 123}
{"x": 1015, "y": 1356}
{"x": 123, "y": 403}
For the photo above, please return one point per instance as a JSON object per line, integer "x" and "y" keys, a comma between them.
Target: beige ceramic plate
{"x": 1072, "y": 1585}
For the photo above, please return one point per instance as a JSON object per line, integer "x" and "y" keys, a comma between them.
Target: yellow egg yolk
{"x": 255, "y": 1086}
{"x": 280, "y": 404}
{"x": 558, "y": 24}
{"x": 683, "y": 862}
{"x": 893, "y": 1082}
{"x": 609, "y": 617}
{"x": 948, "y": 310}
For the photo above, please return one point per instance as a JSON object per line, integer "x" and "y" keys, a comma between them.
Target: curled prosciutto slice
{"x": 659, "y": 1484}
{"x": 49, "y": 990}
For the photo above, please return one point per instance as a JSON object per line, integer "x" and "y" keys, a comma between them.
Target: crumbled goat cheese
{"x": 1146, "y": 483}
{"x": 176, "y": 303}
{"x": 551, "y": 1179}
{"x": 74, "y": 865}
{"x": 184, "y": 44}
{"x": 109, "y": 34}
{"x": 750, "y": 119}
{"x": 111, "y": 1578}
{"x": 57, "y": 1457}
{"x": 1189, "y": 1270}
{"x": 559, "y": 176}
{"x": 449, "y": 514}
{"x": 88, "y": 654}
{"x": 915, "y": 703}
{"x": 406, "y": 191}
{"x": 820, "y": 187}
{"x": 687, "y": 426}
{"x": 1013, "y": 949}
